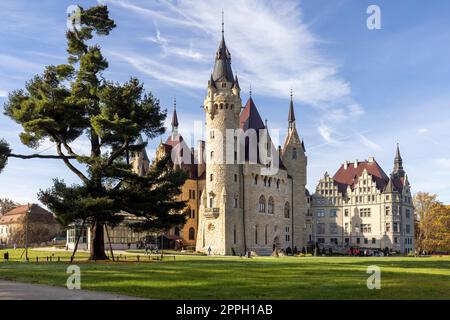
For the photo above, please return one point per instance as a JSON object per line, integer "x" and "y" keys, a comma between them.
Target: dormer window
{"x": 294, "y": 153}
{"x": 224, "y": 84}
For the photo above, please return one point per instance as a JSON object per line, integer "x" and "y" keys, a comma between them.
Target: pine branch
{"x": 38, "y": 156}
{"x": 70, "y": 166}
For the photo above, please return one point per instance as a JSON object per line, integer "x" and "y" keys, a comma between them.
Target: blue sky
{"x": 357, "y": 91}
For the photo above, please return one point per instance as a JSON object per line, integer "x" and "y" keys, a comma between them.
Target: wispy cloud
{"x": 326, "y": 133}
{"x": 275, "y": 52}
{"x": 368, "y": 143}
{"x": 169, "y": 49}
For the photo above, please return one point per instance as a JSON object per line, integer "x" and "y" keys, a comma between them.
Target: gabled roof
{"x": 191, "y": 168}
{"x": 349, "y": 177}
{"x": 37, "y": 214}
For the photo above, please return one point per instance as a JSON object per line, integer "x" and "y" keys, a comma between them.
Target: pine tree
{"x": 72, "y": 101}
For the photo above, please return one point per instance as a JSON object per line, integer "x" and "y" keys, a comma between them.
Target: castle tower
{"x": 295, "y": 160}
{"x": 219, "y": 209}
{"x": 140, "y": 160}
{"x": 398, "y": 164}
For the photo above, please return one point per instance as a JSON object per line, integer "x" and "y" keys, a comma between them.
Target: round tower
{"x": 222, "y": 107}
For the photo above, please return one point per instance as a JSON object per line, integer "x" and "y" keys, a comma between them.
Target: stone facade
{"x": 361, "y": 207}
{"x": 255, "y": 195}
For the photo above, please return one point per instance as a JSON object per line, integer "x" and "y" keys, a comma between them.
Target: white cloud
{"x": 422, "y": 130}
{"x": 326, "y": 132}
{"x": 368, "y": 143}
{"x": 272, "y": 49}
{"x": 168, "y": 49}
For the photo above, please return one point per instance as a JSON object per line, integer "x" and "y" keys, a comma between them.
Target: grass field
{"x": 193, "y": 277}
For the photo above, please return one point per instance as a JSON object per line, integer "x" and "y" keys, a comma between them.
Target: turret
{"x": 398, "y": 164}
{"x": 140, "y": 161}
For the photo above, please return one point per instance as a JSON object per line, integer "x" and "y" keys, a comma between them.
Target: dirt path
{"x": 10, "y": 290}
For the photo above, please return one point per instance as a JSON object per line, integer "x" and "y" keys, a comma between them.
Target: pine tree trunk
{"x": 98, "y": 242}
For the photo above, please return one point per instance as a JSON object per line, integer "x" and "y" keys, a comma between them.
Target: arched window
{"x": 256, "y": 234}
{"x": 270, "y": 206}
{"x": 234, "y": 234}
{"x": 177, "y": 231}
{"x": 287, "y": 213}
{"x": 278, "y": 184}
{"x": 270, "y": 182}
{"x": 211, "y": 155}
{"x": 256, "y": 179}
{"x": 191, "y": 234}
{"x": 294, "y": 153}
{"x": 262, "y": 204}
{"x": 265, "y": 181}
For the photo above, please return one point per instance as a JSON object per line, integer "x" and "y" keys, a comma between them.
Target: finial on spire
{"x": 250, "y": 91}
{"x": 223, "y": 24}
{"x": 291, "y": 94}
{"x": 174, "y": 103}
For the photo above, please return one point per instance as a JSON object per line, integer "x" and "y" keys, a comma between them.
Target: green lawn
{"x": 193, "y": 277}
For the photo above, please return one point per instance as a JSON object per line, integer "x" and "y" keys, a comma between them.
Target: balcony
{"x": 212, "y": 212}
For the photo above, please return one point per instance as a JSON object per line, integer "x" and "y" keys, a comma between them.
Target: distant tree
{"x": 425, "y": 206}
{"x": 73, "y": 101}
{"x": 437, "y": 225}
{"x": 7, "y": 205}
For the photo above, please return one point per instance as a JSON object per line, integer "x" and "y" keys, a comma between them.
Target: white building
{"x": 361, "y": 207}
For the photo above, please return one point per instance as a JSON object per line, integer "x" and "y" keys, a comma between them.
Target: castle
{"x": 244, "y": 194}
{"x": 361, "y": 207}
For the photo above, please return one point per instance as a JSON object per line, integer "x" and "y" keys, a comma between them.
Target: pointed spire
{"x": 291, "y": 117}
{"x": 222, "y": 67}
{"x": 174, "y": 116}
{"x": 236, "y": 83}
{"x": 211, "y": 82}
{"x": 398, "y": 164}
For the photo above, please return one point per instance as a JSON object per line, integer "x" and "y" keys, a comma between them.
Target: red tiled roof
{"x": 348, "y": 177}
{"x": 191, "y": 168}
{"x": 36, "y": 214}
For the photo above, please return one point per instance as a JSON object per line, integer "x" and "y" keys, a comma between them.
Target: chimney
{"x": 345, "y": 165}
{"x": 371, "y": 159}
{"x": 356, "y": 163}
